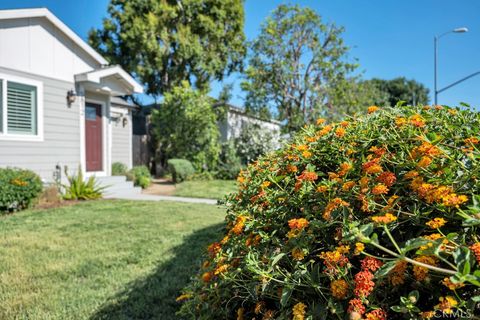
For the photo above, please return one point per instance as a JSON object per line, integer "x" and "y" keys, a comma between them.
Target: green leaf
{"x": 385, "y": 269}
{"x": 463, "y": 259}
{"x": 277, "y": 258}
{"x": 286, "y": 293}
{"x": 415, "y": 243}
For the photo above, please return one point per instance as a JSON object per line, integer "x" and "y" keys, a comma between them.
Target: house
{"x": 236, "y": 119}
{"x": 59, "y": 99}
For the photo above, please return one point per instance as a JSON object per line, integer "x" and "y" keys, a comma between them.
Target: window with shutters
{"x": 20, "y": 109}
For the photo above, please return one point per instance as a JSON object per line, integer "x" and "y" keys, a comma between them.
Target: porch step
{"x": 117, "y": 186}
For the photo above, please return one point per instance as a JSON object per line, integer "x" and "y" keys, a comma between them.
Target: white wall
{"x": 232, "y": 126}
{"x": 36, "y": 46}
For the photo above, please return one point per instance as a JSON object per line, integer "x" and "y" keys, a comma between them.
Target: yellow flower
{"x": 339, "y": 289}
{"x": 450, "y": 285}
{"x": 424, "y": 162}
{"x": 298, "y": 254}
{"x": 320, "y": 121}
{"x": 399, "y": 121}
{"x": 436, "y": 223}
{"x": 420, "y": 272}
{"x": 347, "y": 186}
{"x": 386, "y": 219}
{"x": 359, "y": 247}
{"x": 322, "y": 189}
{"x": 372, "y": 109}
{"x": 302, "y": 147}
{"x": 340, "y": 132}
{"x": 446, "y": 304}
{"x": 306, "y": 154}
{"x": 380, "y": 189}
{"x": 299, "y": 311}
{"x": 266, "y": 184}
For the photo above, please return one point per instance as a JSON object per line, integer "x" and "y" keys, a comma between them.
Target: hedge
{"x": 18, "y": 189}
{"x": 180, "y": 169}
{"x": 374, "y": 217}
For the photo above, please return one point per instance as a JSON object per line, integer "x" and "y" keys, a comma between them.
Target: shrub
{"x": 119, "y": 169}
{"x": 18, "y": 189}
{"x": 369, "y": 218}
{"x": 230, "y": 164}
{"x": 80, "y": 189}
{"x": 140, "y": 176}
{"x": 255, "y": 141}
{"x": 185, "y": 126}
{"x": 180, "y": 169}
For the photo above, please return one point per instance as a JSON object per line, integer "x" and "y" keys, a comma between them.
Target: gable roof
{"x": 45, "y": 13}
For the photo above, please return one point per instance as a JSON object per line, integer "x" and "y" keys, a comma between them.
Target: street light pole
{"x": 435, "y": 53}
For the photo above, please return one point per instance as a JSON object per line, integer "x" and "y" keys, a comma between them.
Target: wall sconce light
{"x": 124, "y": 122}
{"x": 71, "y": 96}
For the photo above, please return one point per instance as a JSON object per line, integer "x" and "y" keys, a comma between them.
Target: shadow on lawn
{"x": 154, "y": 297}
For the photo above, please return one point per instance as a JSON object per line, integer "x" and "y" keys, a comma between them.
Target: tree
{"x": 401, "y": 89}
{"x": 294, "y": 65}
{"x": 186, "y": 127}
{"x": 354, "y": 96}
{"x": 164, "y": 42}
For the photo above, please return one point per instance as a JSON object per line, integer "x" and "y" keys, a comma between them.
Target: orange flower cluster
{"x": 339, "y": 289}
{"x": 298, "y": 224}
{"x": 421, "y": 273}
{"x": 371, "y": 263}
{"x": 372, "y": 166}
{"x": 298, "y": 254}
{"x": 440, "y": 194}
{"x": 213, "y": 249}
{"x": 417, "y": 120}
{"x": 397, "y": 274}
{"x": 386, "y": 219}
{"x": 372, "y": 109}
{"x": 305, "y": 176}
{"x": 340, "y": 132}
{"x": 387, "y": 178}
{"x": 18, "y": 182}
{"x": 333, "y": 260}
{"x": 333, "y": 205}
{"x": 345, "y": 167}
{"x": 380, "y": 189}
{"x": 436, "y": 223}
{"x": 476, "y": 250}
{"x": 239, "y": 225}
{"x": 377, "y": 314}
{"x": 364, "y": 284}
{"x": 356, "y": 306}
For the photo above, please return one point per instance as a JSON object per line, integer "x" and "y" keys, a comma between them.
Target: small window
{"x": 21, "y": 109}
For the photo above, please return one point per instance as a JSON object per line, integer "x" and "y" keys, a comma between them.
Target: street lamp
{"x": 435, "y": 40}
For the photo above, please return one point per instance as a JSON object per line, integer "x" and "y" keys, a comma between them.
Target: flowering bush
{"x": 19, "y": 188}
{"x": 372, "y": 218}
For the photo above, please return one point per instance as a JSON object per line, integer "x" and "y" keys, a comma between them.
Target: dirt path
{"x": 161, "y": 187}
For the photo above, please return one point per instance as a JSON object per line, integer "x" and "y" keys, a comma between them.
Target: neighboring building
{"x": 236, "y": 119}
{"x": 58, "y": 99}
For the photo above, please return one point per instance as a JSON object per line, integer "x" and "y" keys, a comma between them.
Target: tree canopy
{"x": 164, "y": 42}
{"x": 402, "y": 89}
{"x": 294, "y": 65}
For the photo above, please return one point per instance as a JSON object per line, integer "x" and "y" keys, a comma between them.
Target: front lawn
{"x": 213, "y": 189}
{"x": 102, "y": 259}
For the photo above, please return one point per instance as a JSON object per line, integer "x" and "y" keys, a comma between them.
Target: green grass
{"x": 102, "y": 259}
{"x": 213, "y": 189}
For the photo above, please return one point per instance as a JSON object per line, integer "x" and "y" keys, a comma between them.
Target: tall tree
{"x": 294, "y": 65}
{"x": 401, "y": 89}
{"x": 164, "y": 42}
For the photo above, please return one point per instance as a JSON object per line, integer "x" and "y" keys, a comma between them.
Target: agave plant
{"x": 81, "y": 189}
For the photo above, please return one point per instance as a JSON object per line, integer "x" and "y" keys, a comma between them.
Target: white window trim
{"x": 21, "y": 137}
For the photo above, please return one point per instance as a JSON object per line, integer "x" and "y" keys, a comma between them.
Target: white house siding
{"x": 61, "y": 132}
{"x": 122, "y": 139}
{"x": 231, "y": 127}
{"x": 36, "y": 46}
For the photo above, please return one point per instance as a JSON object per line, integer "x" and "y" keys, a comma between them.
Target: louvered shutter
{"x": 21, "y": 108}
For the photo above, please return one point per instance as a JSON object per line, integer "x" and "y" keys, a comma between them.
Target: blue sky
{"x": 389, "y": 38}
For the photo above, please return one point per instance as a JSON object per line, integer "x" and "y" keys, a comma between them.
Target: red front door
{"x": 93, "y": 136}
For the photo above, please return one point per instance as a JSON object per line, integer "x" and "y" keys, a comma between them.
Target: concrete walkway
{"x": 149, "y": 197}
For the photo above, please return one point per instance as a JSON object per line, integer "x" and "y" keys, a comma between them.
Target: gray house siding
{"x": 121, "y": 140}
{"x": 61, "y": 143}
